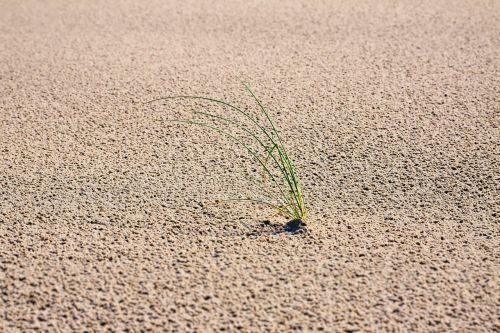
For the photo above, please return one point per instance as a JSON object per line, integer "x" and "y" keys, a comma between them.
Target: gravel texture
{"x": 107, "y": 213}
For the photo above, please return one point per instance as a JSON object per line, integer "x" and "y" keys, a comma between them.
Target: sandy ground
{"x": 107, "y": 219}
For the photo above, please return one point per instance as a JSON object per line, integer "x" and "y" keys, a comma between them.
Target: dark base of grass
{"x": 296, "y": 226}
{"x": 293, "y": 225}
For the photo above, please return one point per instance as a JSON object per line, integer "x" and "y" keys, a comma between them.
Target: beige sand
{"x": 390, "y": 110}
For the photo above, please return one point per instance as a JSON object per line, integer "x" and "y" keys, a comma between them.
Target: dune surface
{"x": 108, "y": 212}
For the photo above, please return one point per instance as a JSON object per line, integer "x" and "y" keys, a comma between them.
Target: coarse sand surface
{"x": 108, "y": 212}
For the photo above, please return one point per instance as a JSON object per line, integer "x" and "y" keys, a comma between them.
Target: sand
{"x": 107, "y": 212}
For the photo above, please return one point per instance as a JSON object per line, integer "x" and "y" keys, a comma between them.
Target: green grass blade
{"x": 246, "y": 130}
{"x": 290, "y": 202}
{"x": 290, "y": 172}
{"x": 254, "y": 154}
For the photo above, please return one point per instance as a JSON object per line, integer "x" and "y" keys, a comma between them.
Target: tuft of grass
{"x": 278, "y": 182}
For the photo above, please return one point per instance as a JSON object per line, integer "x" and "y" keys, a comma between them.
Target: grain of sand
{"x": 390, "y": 110}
